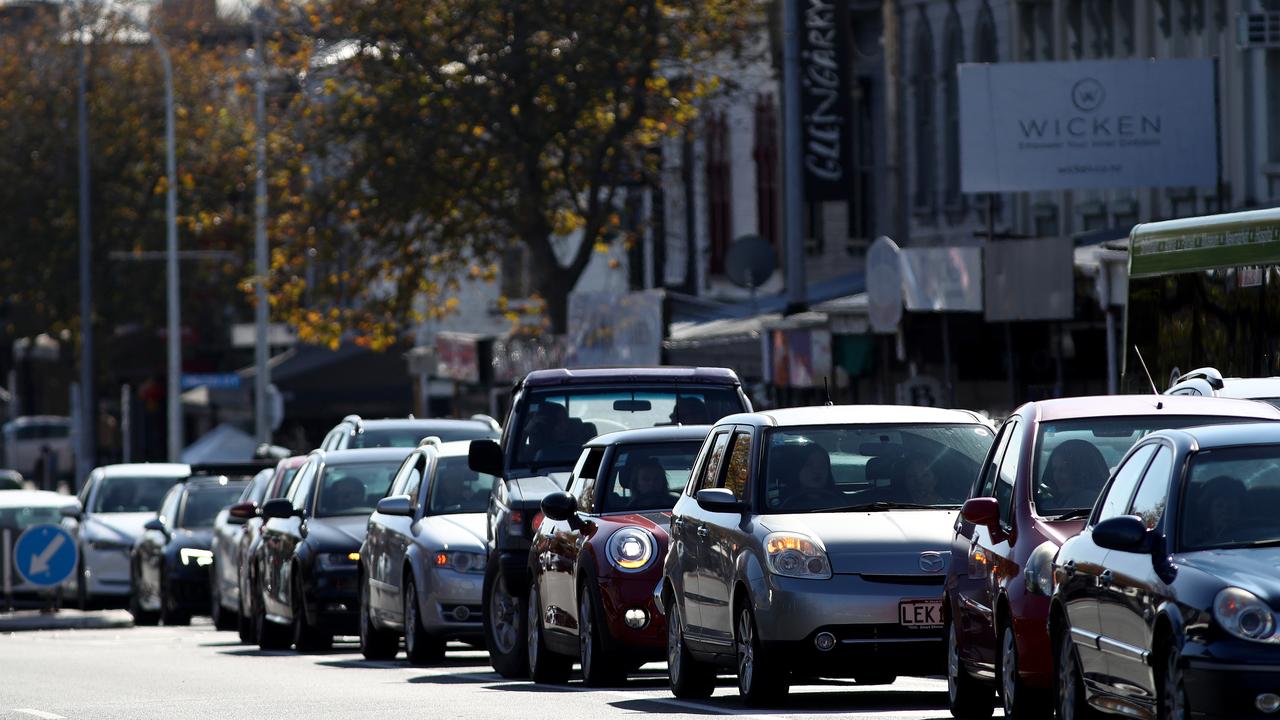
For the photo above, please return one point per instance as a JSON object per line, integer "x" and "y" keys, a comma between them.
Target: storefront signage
{"x": 824, "y": 99}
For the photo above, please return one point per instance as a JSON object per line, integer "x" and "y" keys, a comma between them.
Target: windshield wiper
{"x": 875, "y": 507}
{"x": 1074, "y": 514}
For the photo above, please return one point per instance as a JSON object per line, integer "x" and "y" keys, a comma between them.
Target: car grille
{"x": 906, "y": 579}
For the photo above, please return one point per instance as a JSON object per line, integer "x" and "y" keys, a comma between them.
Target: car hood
{"x": 335, "y": 534}
{"x": 1254, "y": 569}
{"x": 1058, "y": 532}
{"x": 657, "y": 522}
{"x": 876, "y": 543}
{"x": 463, "y": 531}
{"x": 531, "y": 490}
{"x": 115, "y": 527}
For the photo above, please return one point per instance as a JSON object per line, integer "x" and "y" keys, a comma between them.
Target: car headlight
{"x": 336, "y": 561}
{"x": 632, "y": 549}
{"x": 1038, "y": 574}
{"x": 1245, "y": 615}
{"x": 795, "y": 555}
{"x": 463, "y": 562}
{"x": 195, "y": 556}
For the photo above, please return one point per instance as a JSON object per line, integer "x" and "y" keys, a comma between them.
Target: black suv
{"x": 553, "y": 412}
{"x": 353, "y": 432}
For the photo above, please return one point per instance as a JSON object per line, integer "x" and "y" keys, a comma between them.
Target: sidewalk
{"x": 23, "y": 620}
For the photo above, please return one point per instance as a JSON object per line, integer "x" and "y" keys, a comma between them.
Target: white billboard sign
{"x": 1083, "y": 125}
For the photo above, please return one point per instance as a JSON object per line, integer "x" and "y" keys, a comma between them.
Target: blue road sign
{"x": 45, "y": 555}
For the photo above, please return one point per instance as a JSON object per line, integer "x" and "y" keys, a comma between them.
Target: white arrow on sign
{"x": 40, "y": 561}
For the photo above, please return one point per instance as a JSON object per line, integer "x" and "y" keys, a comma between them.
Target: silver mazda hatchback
{"x": 813, "y": 542}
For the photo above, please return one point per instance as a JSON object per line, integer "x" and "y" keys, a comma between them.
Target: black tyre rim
{"x": 675, "y": 645}
{"x": 1174, "y": 700}
{"x": 364, "y": 614}
{"x": 586, "y": 642}
{"x": 534, "y": 630}
{"x": 953, "y": 664}
{"x": 746, "y": 652}
{"x": 1008, "y": 670}
{"x": 410, "y": 618}
{"x": 1068, "y": 680}
{"x": 503, "y": 611}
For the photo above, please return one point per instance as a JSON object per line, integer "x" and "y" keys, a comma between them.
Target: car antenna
{"x": 1154, "y": 391}
{"x": 826, "y": 391}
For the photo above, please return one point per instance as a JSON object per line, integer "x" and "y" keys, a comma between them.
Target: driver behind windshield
{"x": 1074, "y": 475}
{"x": 649, "y": 486}
{"x": 813, "y": 486}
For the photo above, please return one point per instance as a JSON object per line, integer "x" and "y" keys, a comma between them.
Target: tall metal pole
{"x": 793, "y": 176}
{"x": 171, "y": 261}
{"x": 86, "y": 452}
{"x": 262, "y": 377}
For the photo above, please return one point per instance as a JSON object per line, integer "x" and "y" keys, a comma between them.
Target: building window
{"x": 765, "y": 153}
{"x": 925, "y": 116}
{"x": 719, "y": 190}
{"x": 986, "y": 47}
{"x": 1046, "y": 220}
{"x": 952, "y": 55}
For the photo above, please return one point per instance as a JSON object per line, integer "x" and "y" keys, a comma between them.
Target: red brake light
{"x": 537, "y": 520}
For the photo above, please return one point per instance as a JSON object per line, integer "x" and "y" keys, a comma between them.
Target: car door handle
{"x": 677, "y": 521}
{"x": 703, "y": 531}
{"x": 1106, "y": 578}
{"x": 1069, "y": 568}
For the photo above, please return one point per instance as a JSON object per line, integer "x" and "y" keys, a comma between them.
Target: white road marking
{"x": 40, "y": 713}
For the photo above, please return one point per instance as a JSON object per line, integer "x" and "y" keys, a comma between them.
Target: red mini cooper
{"x": 1036, "y": 488}
{"x": 596, "y": 557}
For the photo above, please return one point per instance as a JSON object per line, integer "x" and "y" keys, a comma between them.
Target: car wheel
{"x": 170, "y": 614}
{"x": 1172, "y": 689}
{"x": 545, "y": 665}
{"x": 421, "y": 647}
{"x": 1071, "y": 700}
{"x": 760, "y": 680}
{"x": 271, "y": 636}
{"x": 375, "y": 643}
{"x": 504, "y": 632}
{"x": 244, "y": 624}
{"x": 82, "y": 589}
{"x": 598, "y": 669}
{"x": 140, "y": 617}
{"x": 222, "y": 619}
{"x": 689, "y": 678}
{"x": 306, "y": 637}
{"x": 967, "y": 697}
{"x": 1019, "y": 700}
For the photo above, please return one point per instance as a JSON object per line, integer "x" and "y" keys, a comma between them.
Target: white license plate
{"x": 920, "y": 613}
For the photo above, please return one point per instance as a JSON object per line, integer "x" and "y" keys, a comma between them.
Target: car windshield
{"x": 1230, "y": 498}
{"x": 131, "y": 494}
{"x": 1074, "y": 458}
{"x": 21, "y": 518}
{"x": 410, "y": 437}
{"x": 648, "y": 477}
{"x": 355, "y": 488}
{"x": 203, "y": 504}
{"x": 559, "y": 421}
{"x": 847, "y": 467}
{"x": 42, "y": 431}
{"x": 459, "y": 489}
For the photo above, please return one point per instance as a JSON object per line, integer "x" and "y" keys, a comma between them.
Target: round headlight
{"x": 1244, "y": 615}
{"x": 632, "y": 549}
{"x": 1038, "y": 574}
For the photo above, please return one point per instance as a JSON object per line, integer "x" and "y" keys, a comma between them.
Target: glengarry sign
{"x": 1087, "y": 125}
{"x": 824, "y": 99}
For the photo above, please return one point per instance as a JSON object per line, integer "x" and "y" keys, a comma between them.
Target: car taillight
{"x": 537, "y": 520}
{"x": 515, "y": 526}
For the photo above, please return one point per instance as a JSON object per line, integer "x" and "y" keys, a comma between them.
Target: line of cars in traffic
{"x": 1093, "y": 555}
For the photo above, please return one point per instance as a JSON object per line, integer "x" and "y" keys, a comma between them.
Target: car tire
{"x": 306, "y": 637}
{"x": 375, "y": 643}
{"x": 244, "y": 625}
{"x": 968, "y": 698}
{"x": 1019, "y": 700}
{"x": 82, "y": 588}
{"x": 222, "y": 618}
{"x": 141, "y": 618}
{"x": 545, "y": 664}
{"x": 504, "y": 631}
{"x": 761, "y": 681}
{"x": 271, "y": 636}
{"x": 1070, "y": 700}
{"x": 170, "y": 614}
{"x": 420, "y": 646}
{"x": 1171, "y": 693}
{"x": 689, "y": 678}
{"x": 599, "y": 668}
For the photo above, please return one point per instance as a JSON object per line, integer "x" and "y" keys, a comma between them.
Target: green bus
{"x": 1203, "y": 292}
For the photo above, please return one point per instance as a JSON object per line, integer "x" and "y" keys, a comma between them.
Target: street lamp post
{"x": 85, "y": 452}
{"x": 262, "y": 374}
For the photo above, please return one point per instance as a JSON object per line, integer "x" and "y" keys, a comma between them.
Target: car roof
{"x": 665, "y": 433}
{"x": 176, "y": 470}
{"x": 1130, "y": 405}
{"x": 203, "y": 482}
{"x": 362, "y": 455}
{"x": 294, "y": 462}
{"x": 586, "y": 376}
{"x": 419, "y": 423}
{"x": 34, "y": 498}
{"x": 1250, "y": 388}
{"x": 1206, "y": 437}
{"x": 455, "y": 448}
{"x": 854, "y": 415}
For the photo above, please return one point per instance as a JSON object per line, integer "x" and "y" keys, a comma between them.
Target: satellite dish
{"x": 750, "y": 262}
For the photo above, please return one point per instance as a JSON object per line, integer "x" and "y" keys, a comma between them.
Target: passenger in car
{"x": 813, "y": 487}
{"x": 345, "y": 495}
{"x": 1223, "y": 500}
{"x": 649, "y": 485}
{"x": 920, "y": 483}
{"x": 1074, "y": 475}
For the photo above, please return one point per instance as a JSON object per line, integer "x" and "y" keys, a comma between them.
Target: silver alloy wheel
{"x": 953, "y": 664}
{"x": 532, "y": 634}
{"x": 1067, "y": 679}
{"x": 746, "y": 651}
{"x": 1008, "y": 669}
{"x": 1174, "y": 699}
{"x": 410, "y": 617}
{"x": 502, "y": 616}
{"x": 675, "y": 643}
{"x": 586, "y": 643}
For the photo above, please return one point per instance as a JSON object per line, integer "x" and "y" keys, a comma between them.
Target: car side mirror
{"x": 277, "y": 508}
{"x": 559, "y": 506}
{"x": 396, "y": 505}
{"x": 1126, "y": 533}
{"x": 981, "y": 511}
{"x": 485, "y": 456}
{"x": 157, "y": 526}
{"x": 72, "y": 511}
{"x": 720, "y": 500}
{"x": 240, "y": 513}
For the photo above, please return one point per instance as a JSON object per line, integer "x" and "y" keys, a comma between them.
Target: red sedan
{"x": 596, "y": 557}
{"x": 1035, "y": 490}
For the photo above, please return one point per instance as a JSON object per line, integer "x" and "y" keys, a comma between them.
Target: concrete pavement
{"x": 28, "y": 620}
